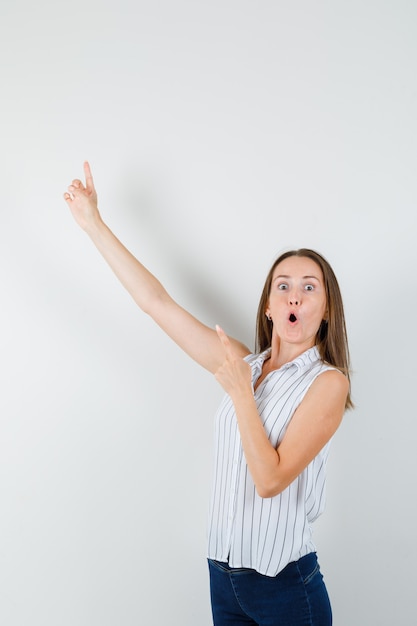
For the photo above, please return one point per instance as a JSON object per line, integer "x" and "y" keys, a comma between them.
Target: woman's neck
{"x": 282, "y": 353}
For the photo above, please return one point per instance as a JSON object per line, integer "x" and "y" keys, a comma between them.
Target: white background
{"x": 219, "y": 133}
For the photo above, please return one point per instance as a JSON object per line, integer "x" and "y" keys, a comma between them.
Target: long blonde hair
{"x": 331, "y": 338}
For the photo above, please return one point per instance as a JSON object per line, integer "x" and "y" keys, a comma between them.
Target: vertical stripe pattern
{"x": 244, "y": 529}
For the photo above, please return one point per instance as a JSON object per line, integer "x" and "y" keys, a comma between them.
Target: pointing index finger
{"x": 88, "y": 176}
{"x": 225, "y": 340}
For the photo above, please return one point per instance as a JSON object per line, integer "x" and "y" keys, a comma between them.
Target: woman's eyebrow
{"x": 303, "y": 277}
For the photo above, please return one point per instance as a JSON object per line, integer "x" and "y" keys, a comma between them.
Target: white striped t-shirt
{"x": 244, "y": 529}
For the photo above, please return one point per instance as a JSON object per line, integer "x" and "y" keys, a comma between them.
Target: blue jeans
{"x": 297, "y": 596}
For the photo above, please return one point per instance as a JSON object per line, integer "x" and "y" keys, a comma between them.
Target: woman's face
{"x": 297, "y": 301}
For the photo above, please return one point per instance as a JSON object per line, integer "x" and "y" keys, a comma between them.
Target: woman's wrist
{"x": 94, "y": 225}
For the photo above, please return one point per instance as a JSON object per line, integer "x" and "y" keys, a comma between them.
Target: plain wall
{"x": 219, "y": 133}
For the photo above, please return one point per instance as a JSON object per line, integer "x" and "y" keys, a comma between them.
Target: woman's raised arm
{"x": 199, "y": 341}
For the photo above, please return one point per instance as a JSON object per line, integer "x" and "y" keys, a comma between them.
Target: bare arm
{"x": 311, "y": 427}
{"x": 199, "y": 341}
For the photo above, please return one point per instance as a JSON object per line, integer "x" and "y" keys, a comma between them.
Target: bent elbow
{"x": 263, "y": 492}
{"x": 269, "y": 490}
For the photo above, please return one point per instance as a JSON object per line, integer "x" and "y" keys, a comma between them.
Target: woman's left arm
{"x": 313, "y": 424}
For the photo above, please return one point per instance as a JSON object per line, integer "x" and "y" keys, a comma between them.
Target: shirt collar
{"x": 302, "y": 362}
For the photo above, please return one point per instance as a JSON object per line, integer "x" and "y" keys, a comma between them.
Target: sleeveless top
{"x": 244, "y": 529}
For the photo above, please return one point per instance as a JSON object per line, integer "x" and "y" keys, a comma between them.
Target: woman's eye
{"x": 282, "y": 286}
{"x": 309, "y": 287}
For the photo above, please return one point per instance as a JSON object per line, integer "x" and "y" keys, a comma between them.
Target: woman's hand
{"x": 234, "y": 375}
{"x": 82, "y": 200}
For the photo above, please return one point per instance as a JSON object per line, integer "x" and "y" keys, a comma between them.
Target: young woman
{"x": 282, "y": 406}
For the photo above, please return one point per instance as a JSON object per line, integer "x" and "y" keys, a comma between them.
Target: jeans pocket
{"x": 310, "y": 577}
{"x": 223, "y": 567}
{"x": 308, "y": 567}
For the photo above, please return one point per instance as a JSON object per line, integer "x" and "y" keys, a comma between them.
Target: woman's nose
{"x": 294, "y": 299}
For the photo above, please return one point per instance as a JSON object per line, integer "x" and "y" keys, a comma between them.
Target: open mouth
{"x": 292, "y": 318}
